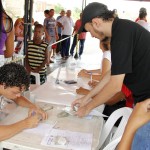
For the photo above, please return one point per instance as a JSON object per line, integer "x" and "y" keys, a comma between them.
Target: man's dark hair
{"x": 51, "y": 10}
{"x": 108, "y": 15}
{"x": 13, "y": 74}
{"x": 39, "y": 26}
{"x": 142, "y": 15}
{"x": 46, "y": 11}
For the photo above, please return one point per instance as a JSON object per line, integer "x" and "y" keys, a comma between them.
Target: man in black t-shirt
{"x": 130, "y": 56}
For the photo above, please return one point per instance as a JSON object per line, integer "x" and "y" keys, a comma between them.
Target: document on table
{"x": 41, "y": 129}
{"x": 73, "y": 140}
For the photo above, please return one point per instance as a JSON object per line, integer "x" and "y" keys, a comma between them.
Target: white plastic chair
{"x": 108, "y": 126}
{"x": 112, "y": 145}
{"x": 37, "y": 77}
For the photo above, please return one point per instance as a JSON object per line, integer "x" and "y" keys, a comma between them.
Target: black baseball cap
{"x": 91, "y": 11}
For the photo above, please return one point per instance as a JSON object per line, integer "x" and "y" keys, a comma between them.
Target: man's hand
{"x": 37, "y": 110}
{"x": 82, "y": 111}
{"x": 48, "y": 38}
{"x": 31, "y": 121}
{"x": 79, "y": 102}
{"x": 57, "y": 37}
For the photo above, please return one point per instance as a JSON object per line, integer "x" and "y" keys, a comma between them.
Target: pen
{"x": 39, "y": 117}
{"x": 91, "y": 77}
{"x": 33, "y": 113}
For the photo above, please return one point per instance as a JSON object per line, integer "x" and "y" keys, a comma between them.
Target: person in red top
{"x": 81, "y": 37}
{"x": 142, "y": 10}
{"x": 128, "y": 96}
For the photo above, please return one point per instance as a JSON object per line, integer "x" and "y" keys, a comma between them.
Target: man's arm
{"x": 106, "y": 91}
{"x": 22, "y": 101}
{"x": 7, "y": 131}
{"x": 109, "y": 90}
{"x": 85, "y": 99}
{"x": 46, "y": 33}
{"x": 116, "y": 98}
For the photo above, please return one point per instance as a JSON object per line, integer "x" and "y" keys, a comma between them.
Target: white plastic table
{"x": 28, "y": 141}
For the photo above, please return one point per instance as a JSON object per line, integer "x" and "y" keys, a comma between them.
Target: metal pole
{"x": 30, "y": 19}
{"x": 85, "y": 4}
{"x": 25, "y": 25}
{"x": 82, "y": 4}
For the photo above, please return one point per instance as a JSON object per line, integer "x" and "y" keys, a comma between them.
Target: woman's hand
{"x": 93, "y": 83}
{"x": 82, "y": 91}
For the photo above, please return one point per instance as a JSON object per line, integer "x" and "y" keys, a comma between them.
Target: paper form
{"x": 74, "y": 140}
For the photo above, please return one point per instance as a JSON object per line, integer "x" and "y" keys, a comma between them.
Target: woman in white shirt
{"x": 98, "y": 74}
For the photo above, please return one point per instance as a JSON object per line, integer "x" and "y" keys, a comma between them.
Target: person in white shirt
{"x": 67, "y": 24}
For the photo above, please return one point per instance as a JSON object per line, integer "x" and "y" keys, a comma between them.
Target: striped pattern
{"x": 36, "y": 55}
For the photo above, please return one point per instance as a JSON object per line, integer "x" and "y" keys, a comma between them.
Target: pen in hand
{"x": 39, "y": 116}
{"x": 91, "y": 77}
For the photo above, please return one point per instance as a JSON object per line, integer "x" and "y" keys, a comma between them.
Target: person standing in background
{"x": 46, "y": 13}
{"x": 19, "y": 35}
{"x": 51, "y": 34}
{"x": 66, "y": 23}
{"x": 58, "y": 49}
{"x": 81, "y": 37}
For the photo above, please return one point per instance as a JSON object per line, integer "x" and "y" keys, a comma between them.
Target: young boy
{"x": 13, "y": 81}
{"x": 37, "y": 54}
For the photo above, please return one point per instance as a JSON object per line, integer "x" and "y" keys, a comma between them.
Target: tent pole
{"x": 30, "y": 19}
{"x": 25, "y": 26}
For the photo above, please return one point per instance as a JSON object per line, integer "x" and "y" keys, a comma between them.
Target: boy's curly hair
{"x": 13, "y": 74}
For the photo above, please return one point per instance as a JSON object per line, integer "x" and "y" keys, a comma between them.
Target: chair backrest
{"x": 112, "y": 145}
{"x": 122, "y": 112}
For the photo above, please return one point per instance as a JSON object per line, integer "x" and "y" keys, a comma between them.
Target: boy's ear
{"x": 3, "y": 86}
